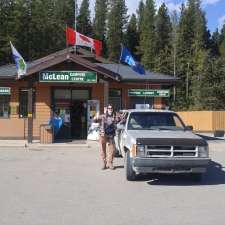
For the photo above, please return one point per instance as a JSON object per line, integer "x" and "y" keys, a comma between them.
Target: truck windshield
{"x": 154, "y": 121}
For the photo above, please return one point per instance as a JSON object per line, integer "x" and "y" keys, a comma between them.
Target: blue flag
{"x": 127, "y": 58}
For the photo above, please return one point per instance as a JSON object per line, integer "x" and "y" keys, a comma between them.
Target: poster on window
{"x": 93, "y": 111}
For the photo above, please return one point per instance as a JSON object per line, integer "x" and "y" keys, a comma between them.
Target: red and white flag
{"x": 75, "y": 38}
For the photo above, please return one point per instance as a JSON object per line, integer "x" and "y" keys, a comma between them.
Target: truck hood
{"x": 164, "y": 135}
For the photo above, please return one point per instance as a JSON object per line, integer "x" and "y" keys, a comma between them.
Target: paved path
{"x": 66, "y": 187}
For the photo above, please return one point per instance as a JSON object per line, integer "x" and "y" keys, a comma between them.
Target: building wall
{"x": 158, "y": 102}
{"x": 16, "y": 128}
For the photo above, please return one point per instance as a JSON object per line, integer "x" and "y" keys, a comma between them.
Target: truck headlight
{"x": 141, "y": 150}
{"x": 203, "y": 151}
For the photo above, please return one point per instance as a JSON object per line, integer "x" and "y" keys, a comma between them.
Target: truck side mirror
{"x": 120, "y": 126}
{"x": 189, "y": 128}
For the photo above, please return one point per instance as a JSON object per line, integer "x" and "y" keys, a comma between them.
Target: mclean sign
{"x": 68, "y": 76}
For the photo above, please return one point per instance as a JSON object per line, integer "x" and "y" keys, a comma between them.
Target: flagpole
{"x": 75, "y": 15}
{"x": 75, "y": 23}
{"x": 118, "y": 68}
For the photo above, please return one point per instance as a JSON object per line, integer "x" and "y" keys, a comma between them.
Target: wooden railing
{"x": 204, "y": 121}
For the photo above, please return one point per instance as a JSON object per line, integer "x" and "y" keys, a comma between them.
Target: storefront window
{"x": 80, "y": 94}
{"x": 141, "y": 102}
{"x": 62, "y": 94}
{"x": 4, "y": 106}
{"x": 115, "y": 98}
{"x": 23, "y": 108}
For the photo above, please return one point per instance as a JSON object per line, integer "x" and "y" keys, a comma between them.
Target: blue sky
{"x": 214, "y": 9}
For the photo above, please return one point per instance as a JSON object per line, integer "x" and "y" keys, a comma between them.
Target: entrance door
{"x": 72, "y": 105}
{"x": 79, "y": 120}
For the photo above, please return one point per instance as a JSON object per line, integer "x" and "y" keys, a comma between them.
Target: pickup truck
{"x": 157, "y": 141}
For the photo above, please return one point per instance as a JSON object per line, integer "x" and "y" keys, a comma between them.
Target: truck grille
{"x": 167, "y": 151}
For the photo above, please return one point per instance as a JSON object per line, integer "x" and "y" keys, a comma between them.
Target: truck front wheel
{"x": 130, "y": 174}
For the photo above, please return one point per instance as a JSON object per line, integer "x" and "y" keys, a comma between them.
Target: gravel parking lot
{"x": 67, "y": 187}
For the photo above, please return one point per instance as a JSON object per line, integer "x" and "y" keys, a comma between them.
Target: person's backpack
{"x": 110, "y": 130}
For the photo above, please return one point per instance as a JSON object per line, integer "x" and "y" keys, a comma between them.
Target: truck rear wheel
{"x": 130, "y": 173}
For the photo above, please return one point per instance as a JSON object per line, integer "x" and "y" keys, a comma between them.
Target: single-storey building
{"x": 76, "y": 84}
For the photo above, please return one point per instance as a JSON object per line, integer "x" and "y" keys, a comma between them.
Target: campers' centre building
{"x": 77, "y": 85}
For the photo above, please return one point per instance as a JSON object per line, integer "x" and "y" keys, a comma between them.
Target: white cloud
{"x": 210, "y": 2}
{"x": 221, "y": 22}
{"x": 170, "y": 4}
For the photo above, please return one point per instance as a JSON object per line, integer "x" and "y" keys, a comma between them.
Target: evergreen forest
{"x": 174, "y": 43}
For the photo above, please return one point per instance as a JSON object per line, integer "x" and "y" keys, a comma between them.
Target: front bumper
{"x": 171, "y": 165}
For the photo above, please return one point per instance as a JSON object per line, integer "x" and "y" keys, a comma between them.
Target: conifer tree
{"x": 84, "y": 25}
{"x": 7, "y": 25}
{"x": 117, "y": 21}
{"x": 147, "y": 36}
{"x": 222, "y": 42}
{"x": 140, "y": 15}
{"x": 163, "y": 41}
{"x": 100, "y": 19}
{"x": 132, "y": 34}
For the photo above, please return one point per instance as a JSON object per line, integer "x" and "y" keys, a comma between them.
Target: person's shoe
{"x": 104, "y": 166}
{"x": 110, "y": 166}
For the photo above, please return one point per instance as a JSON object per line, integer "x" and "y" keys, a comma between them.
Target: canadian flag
{"x": 75, "y": 38}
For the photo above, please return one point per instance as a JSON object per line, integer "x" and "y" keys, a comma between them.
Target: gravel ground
{"x": 67, "y": 187}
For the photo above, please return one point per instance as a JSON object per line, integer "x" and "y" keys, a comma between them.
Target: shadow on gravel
{"x": 208, "y": 138}
{"x": 215, "y": 175}
{"x": 118, "y": 167}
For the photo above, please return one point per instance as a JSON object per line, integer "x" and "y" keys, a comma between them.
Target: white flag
{"x": 21, "y": 65}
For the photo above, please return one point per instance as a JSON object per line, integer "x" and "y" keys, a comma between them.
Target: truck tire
{"x": 130, "y": 174}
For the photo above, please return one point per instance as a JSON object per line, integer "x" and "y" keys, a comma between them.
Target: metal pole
{"x": 187, "y": 81}
{"x": 75, "y": 15}
{"x": 174, "y": 72}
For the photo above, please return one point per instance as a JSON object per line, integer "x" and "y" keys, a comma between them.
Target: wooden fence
{"x": 204, "y": 121}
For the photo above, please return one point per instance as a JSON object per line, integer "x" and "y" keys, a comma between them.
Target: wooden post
{"x": 106, "y": 93}
{"x": 30, "y": 111}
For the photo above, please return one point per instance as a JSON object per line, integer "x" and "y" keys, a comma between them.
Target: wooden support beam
{"x": 30, "y": 111}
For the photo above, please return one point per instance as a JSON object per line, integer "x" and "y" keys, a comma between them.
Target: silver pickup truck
{"x": 157, "y": 141}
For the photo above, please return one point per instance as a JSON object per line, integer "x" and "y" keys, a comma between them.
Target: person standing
{"x": 56, "y": 122}
{"x": 107, "y": 133}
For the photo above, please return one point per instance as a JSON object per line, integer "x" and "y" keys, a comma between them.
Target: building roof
{"x": 128, "y": 74}
{"x": 83, "y": 57}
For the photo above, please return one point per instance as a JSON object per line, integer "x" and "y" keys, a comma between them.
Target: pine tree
{"x": 163, "y": 41}
{"x": 222, "y": 42}
{"x": 117, "y": 21}
{"x": 7, "y": 27}
{"x": 214, "y": 46}
{"x": 140, "y": 17}
{"x": 147, "y": 36}
{"x": 132, "y": 34}
{"x": 84, "y": 25}
{"x": 140, "y": 14}
{"x": 100, "y": 19}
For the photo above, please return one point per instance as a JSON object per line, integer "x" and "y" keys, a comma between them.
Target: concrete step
{"x": 36, "y": 145}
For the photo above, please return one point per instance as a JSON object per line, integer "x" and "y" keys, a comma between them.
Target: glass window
{"x": 62, "y": 94}
{"x": 115, "y": 99}
{"x": 134, "y": 101}
{"x": 154, "y": 121}
{"x": 23, "y": 108}
{"x": 4, "y": 106}
{"x": 80, "y": 94}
